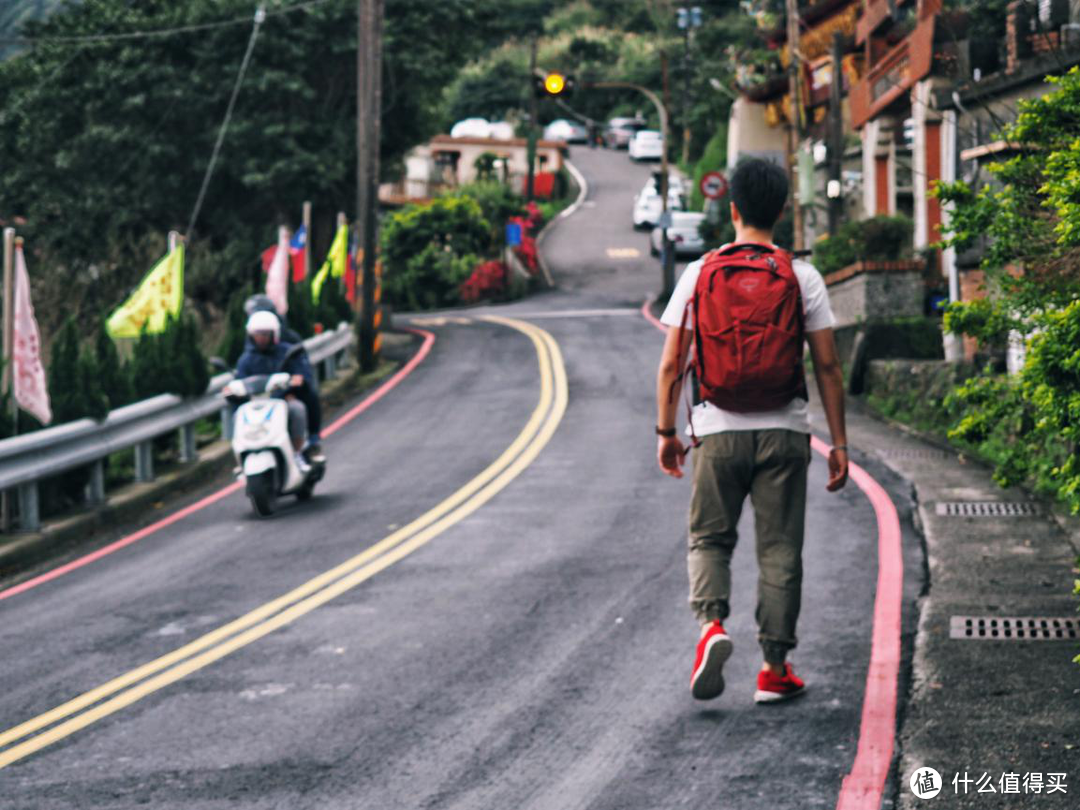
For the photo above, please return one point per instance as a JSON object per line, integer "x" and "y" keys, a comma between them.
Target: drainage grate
{"x": 988, "y": 509}
{"x": 1031, "y": 628}
{"x": 905, "y": 452}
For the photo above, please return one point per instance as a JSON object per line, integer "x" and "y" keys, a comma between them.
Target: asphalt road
{"x": 528, "y": 645}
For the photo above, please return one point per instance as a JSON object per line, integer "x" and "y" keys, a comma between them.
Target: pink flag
{"x": 31, "y": 390}
{"x": 277, "y": 280}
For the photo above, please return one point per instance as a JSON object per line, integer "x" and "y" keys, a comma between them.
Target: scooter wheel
{"x": 261, "y": 491}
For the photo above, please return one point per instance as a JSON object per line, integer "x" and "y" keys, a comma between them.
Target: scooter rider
{"x": 309, "y": 394}
{"x": 264, "y": 354}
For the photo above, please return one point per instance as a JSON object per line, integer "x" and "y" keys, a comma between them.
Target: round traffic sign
{"x": 713, "y": 185}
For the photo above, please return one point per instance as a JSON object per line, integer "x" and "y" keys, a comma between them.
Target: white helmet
{"x": 264, "y": 321}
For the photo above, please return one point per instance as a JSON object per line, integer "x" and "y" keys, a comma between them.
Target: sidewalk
{"x": 987, "y": 708}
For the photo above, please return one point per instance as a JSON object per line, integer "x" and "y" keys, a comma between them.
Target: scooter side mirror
{"x": 218, "y": 364}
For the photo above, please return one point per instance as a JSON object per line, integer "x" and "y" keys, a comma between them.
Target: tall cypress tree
{"x": 114, "y": 374}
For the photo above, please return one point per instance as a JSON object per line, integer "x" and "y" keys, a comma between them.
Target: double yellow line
{"x": 78, "y": 713}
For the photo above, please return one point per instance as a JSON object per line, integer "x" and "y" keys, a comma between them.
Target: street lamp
{"x": 687, "y": 19}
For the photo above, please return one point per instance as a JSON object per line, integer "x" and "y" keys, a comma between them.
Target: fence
{"x": 27, "y": 460}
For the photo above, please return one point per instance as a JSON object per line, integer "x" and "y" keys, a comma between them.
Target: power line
{"x": 91, "y": 39}
{"x": 260, "y": 17}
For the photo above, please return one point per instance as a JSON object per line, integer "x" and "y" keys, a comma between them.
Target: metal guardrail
{"x": 26, "y": 460}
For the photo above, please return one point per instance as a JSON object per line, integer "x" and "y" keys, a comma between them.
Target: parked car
{"x": 563, "y": 129}
{"x": 684, "y": 233}
{"x": 647, "y": 144}
{"x": 675, "y": 183}
{"x": 471, "y": 128}
{"x": 620, "y": 130}
{"x": 648, "y": 207}
{"x": 501, "y": 130}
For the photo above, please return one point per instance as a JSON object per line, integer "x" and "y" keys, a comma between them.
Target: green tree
{"x": 113, "y": 373}
{"x": 1029, "y": 222}
{"x": 104, "y": 143}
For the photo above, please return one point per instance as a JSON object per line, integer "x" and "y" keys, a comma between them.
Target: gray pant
{"x": 770, "y": 467}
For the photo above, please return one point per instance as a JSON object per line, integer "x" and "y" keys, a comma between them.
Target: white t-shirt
{"x": 795, "y": 416}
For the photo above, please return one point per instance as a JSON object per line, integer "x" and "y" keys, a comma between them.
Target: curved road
{"x": 526, "y": 644}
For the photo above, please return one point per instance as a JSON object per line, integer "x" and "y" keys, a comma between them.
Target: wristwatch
{"x": 665, "y": 432}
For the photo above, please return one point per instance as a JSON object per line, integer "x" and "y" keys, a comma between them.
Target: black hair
{"x": 759, "y": 190}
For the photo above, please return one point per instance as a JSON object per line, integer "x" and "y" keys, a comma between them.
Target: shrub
{"x": 880, "y": 238}
{"x": 431, "y": 248}
{"x": 487, "y": 282}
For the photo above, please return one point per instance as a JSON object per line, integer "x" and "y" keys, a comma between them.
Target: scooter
{"x": 262, "y": 445}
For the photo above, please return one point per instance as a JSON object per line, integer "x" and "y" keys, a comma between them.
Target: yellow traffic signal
{"x": 553, "y": 85}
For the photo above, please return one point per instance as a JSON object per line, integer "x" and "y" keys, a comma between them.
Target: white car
{"x": 501, "y": 130}
{"x": 646, "y": 145}
{"x": 675, "y": 183}
{"x": 684, "y": 233}
{"x": 648, "y": 207}
{"x": 471, "y": 128}
{"x": 563, "y": 129}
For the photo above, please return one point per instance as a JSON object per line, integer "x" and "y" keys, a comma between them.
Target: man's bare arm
{"x": 830, "y": 383}
{"x": 670, "y": 451}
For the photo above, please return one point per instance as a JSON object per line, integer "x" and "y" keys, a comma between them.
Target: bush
{"x": 430, "y": 249}
{"x": 488, "y": 281}
{"x": 880, "y": 238}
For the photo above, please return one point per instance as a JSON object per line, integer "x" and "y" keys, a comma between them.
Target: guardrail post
{"x": 144, "y": 462}
{"x": 188, "y": 453}
{"x": 330, "y": 367}
{"x": 29, "y": 514}
{"x": 227, "y": 423}
{"x": 95, "y": 487}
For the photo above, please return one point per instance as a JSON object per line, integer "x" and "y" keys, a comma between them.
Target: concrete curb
{"x": 583, "y": 191}
{"x": 128, "y": 503}
{"x": 970, "y": 703}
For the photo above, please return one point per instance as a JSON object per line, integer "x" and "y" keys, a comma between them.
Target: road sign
{"x": 513, "y": 234}
{"x": 713, "y": 185}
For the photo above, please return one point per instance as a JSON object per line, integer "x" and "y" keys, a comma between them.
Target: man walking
{"x": 747, "y": 309}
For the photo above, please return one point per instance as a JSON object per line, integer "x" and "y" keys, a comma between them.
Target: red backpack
{"x": 748, "y": 329}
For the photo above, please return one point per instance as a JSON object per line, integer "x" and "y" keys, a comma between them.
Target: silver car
{"x": 684, "y": 233}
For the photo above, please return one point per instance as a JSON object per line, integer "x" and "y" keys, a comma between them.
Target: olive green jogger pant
{"x": 771, "y": 467}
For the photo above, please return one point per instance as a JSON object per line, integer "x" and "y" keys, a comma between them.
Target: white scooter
{"x": 262, "y": 445}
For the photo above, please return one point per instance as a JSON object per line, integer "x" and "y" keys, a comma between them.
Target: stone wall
{"x": 876, "y": 291}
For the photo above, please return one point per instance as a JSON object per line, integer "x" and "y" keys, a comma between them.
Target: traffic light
{"x": 553, "y": 85}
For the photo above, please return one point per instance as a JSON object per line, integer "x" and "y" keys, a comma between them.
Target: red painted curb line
{"x": 863, "y": 788}
{"x": 379, "y": 393}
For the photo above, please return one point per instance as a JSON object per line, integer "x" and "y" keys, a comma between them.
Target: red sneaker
{"x": 713, "y": 651}
{"x": 774, "y": 688}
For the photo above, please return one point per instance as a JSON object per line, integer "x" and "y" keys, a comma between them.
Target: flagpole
{"x": 307, "y": 239}
{"x": 9, "y": 305}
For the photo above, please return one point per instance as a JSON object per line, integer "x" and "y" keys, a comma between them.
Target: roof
{"x": 494, "y": 143}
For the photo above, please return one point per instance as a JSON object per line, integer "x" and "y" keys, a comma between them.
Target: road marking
{"x": 441, "y": 321}
{"x": 153, "y": 528}
{"x": 576, "y": 313}
{"x": 286, "y": 609}
{"x": 865, "y": 785}
{"x": 623, "y": 253}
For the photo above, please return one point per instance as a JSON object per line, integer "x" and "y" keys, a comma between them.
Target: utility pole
{"x": 530, "y": 152}
{"x": 835, "y": 188}
{"x": 368, "y": 119}
{"x": 687, "y": 19}
{"x": 796, "y": 134}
